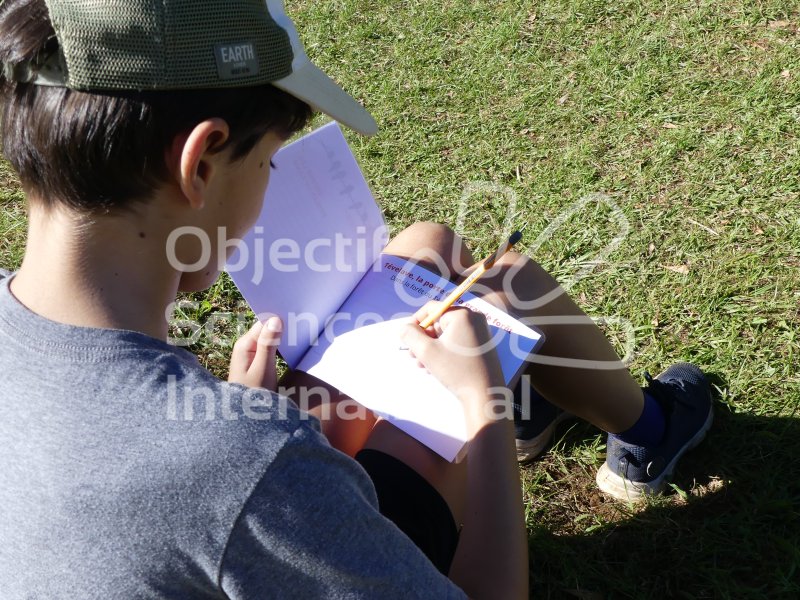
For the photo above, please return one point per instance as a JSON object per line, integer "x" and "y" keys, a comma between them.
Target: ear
{"x": 196, "y": 156}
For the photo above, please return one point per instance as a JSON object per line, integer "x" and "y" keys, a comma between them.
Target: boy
{"x": 103, "y": 496}
{"x": 106, "y": 497}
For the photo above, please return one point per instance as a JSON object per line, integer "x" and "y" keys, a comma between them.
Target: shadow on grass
{"x": 734, "y": 534}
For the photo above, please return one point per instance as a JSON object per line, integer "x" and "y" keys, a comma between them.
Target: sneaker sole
{"x": 528, "y": 450}
{"x": 623, "y": 489}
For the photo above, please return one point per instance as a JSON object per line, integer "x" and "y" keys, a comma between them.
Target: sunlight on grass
{"x": 685, "y": 116}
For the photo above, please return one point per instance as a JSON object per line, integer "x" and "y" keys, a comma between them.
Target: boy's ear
{"x": 193, "y": 158}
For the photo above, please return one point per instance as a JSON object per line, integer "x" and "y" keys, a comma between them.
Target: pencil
{"x": 487, "y": 264}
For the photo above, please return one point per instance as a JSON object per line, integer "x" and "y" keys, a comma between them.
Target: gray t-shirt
{"x": 129, "y": 471}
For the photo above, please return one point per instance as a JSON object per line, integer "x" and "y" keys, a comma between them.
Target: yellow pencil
{"x": 487, "y": 264}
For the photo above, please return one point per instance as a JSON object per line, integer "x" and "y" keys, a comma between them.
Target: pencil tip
{"x": 515, "y": 237}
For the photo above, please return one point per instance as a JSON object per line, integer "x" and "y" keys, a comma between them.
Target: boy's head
{"x": 93, "y": 94}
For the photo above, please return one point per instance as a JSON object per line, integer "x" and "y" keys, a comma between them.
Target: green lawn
{"x": 671, "y": 131}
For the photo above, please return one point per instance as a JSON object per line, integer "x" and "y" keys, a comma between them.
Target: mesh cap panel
{"x": 175, "y": 44}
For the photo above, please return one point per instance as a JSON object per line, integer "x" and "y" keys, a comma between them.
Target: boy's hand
{"x": 458, "y": 351}
{"x": 253, "y": 358}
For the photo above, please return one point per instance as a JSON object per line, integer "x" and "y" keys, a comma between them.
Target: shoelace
{"x": 661, "y": 391}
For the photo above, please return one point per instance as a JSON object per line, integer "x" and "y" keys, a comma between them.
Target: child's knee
{"x": 427, "y": 234}
{"x": 433, "y": 245}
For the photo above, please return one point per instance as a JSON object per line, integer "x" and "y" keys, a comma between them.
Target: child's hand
{"x": 458, "y": 351}
{"x": 253, "y": 358}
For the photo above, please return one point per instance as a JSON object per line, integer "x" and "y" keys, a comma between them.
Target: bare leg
{"x": 346, "y": 423}
{"x": 607, "y": 397}
{"x": 522, "y": 288}
{"x": 576, "y": 367}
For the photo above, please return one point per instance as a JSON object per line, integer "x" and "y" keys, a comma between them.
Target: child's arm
{"x": 491, "y": 559}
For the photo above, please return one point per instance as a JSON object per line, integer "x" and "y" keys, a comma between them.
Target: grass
{"x": 12, "y": 219}
{"x": 684, "y": 118}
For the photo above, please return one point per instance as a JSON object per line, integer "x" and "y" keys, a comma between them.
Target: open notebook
{"x": 315, "y": 259}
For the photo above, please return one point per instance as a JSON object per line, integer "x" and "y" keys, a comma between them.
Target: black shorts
{"x": 414, "y": 505}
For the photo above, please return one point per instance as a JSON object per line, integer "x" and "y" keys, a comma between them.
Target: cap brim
{"x": 314, "y": 87}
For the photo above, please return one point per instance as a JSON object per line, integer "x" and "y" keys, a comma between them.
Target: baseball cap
{"x": 185, "y": 44}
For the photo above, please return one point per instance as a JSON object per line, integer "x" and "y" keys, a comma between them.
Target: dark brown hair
{"x": 100, "y": 151}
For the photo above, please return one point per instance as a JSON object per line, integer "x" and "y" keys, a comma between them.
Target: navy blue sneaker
{"x": 631, "y": 471}
{"x": 535, "y": 420}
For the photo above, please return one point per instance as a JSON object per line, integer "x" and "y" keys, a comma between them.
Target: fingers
{"x": 453, "y": 315}
{"x": 428, "y": 309}
{"x": 432, "y": 307}
{"x": 459, "y": 331}
{"x": 460, "y": 355}
{"x": 243, "y": 352}
{"x": 263, "y": 366}
{"x": 418, "y": 342}
{"x": 424, "y": 310}
{"x": 254, "y": 354}
{"x": 424, "y": 344}
{"x": 458, "y": 314}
